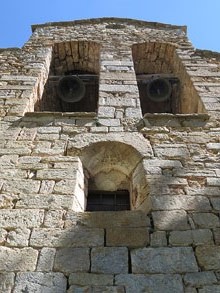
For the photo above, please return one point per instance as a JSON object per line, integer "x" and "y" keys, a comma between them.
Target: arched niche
{"x": 112, "y": 166}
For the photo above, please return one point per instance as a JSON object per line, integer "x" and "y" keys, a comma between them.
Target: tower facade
{"x": 109, "y": 160}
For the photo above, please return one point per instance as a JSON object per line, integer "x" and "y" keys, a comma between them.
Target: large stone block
{"x": 15, "y": 259}
{"x": 127, "y": 237}
{"x": 46, "y": 259}
{"x": 206, "y": 220}
{"x": 96, "y": 289}
{"x": 208, "y": 257}
{"x": 75, "y": 237}
{"x": 160, "y": 260}
{"x": 6, "y": 282}
{"x": 178, "y": 202}
{"x": 151, "y": 283}
{"x": 26, "y": 218}
{"x": 40, "y": 282}
{"x": 200, "y": 279}
{"x": 189, "y": 237}
{"x": 109, "y": 260}
{"x": 90, "y": 279}
{"x": 108, "y": 219}
{"x": 170, "y": 220}
{"x": 70, "y": 260}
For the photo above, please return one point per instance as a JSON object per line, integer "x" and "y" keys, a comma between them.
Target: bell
{"x": 159, "y": 90}
{"x": 71, "y": 89}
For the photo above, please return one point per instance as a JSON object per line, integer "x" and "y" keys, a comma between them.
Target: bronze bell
{"x": 71, "y": 89}
{"x": 159, "y": 89}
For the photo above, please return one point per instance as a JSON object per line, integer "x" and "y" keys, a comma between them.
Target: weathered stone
{"x": 56, "y": 174}
{"x": 46, "y": 259}
{"x": 210, "y": 289}
{"x": 90, "y": 279}
{"x": 151, "y": 283}
{"x": 179, "y": 202}
{"x": 96, "y": 289}
{"x": 74, "y": 237}
{"x": 21, "y": 218}
{"x": 158, "y": 238}
{"x": 160, "y": 260}
{"x": 200, "y": 279}
{"x": 6, "y": 282}
{"x": 22, "y": 186}
{"x": 206, "y": 220}
{"x": 70, "y": 260}
{"x": 3, "y": 235}
{"x": 170, "y": 220}
{"x": 54, "y": 218}
{"x": 46, "y": 201}
{"x": 217, "y": 235}
{"x": 40, "y": 282}
{"x": 109, "y": 219}
{"x": 129, "y": 237}
{"x": 18, "y": 237}
{"x": 208, "y": 257}
{"x": 109, "y": 260}
{"x": 191, "y": 237}
{"x": 15, "y": 259}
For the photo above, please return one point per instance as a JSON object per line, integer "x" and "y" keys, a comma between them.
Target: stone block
{"x": 22, "y": 186}
{"x": 170, "y": 220}
{"x": 109, "y": 260}
{"x": 191, "y": 237}
{"x": 180, "y": 202}
{"x": 208, "y": 257}
{"x": 96, "y": 289}
{"x": 174, "y": 151}
{"x": 57, "y": 174}
{"x": 206, "y": 220}
{"x": 70, "y": 260}
{"x": 40, "y": 282}
{"x": 160, "y": 260}
{"x": 3, "y": 236}
{"x": 54, "y": 218}
{"x": 108, "y": 219}
{"x": 21, "y": 218}
{"x": 127, "y": 237}
{"x": 46, "y": 201}
{"x": 46, "y": 259}
{"x": 18, "y": 237}
{"x": 215, "y": 203}
{"x": 150, "y": 283}
{"x": 15, "y": 259}
{"x": 210, "y": 289}
{"x": 74, "y": 237}
{"x": 199, "y": 279}
{"x": 158, "y": 239}
{"x": 6, "y": 282}
{"x": 90, "y": 279}
{"x": 217, "y": 235}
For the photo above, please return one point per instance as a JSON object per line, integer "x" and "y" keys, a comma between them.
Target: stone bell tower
{"x": 109, "y": 159}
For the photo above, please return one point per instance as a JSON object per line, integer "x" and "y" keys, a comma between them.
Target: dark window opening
{"x": 159, "y": 93}
{"x": 108, "y": 201}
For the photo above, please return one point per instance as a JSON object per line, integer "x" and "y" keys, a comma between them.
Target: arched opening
{"x": 163, "y": 82}
{"x": 73, "y": 80}
{"x": 114, "y": 177}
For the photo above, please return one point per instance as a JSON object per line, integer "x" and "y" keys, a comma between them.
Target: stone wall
{"x": 170, "y": 240}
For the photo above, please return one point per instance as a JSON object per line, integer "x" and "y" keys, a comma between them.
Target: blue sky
{"x": 202, "y": 17}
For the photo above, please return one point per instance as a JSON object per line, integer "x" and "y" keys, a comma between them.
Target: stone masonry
{"x": 49, "y": 159}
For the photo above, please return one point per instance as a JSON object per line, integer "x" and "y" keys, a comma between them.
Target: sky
{"x": 202, "y": 17}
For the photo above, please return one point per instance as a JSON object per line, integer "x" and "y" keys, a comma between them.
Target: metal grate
{"x": 108, "y": 201}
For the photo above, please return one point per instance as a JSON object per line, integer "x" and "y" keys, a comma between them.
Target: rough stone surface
{"x": 159, "y": 260}
{"x": 151, "y": 283}
{"x": 40, "y": 282}
{"x": 90, "y": 279}
{"x": 109, "y": 260}
{"x": 130, "y": 237}
{"x": 208, "y": 257}
{"x": 15, "y": 259}
{"x": 170, "y": 220}
{"x": 70, "y": 260}
{"x": 6, "y": 282}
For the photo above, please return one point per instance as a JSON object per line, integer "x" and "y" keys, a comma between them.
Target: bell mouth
{"x": 159, "y": 90}
{"x": 71, "y": 89}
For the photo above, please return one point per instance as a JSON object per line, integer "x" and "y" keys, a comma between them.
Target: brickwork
{"x": 170, "y": 239}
